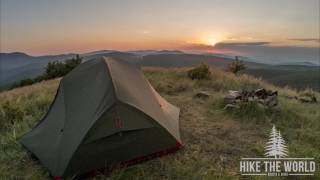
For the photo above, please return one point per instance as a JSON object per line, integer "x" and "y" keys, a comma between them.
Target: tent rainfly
{"x": 105, "y": 113}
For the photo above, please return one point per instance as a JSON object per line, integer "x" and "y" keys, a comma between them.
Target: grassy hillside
{"x": 19, "y": 66}
{"x": 298, "y": 77}
{"x": 214, "y": 139}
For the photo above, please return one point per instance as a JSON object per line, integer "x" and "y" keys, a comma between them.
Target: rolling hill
{"x": 214, "y": 139}
{"x": 17, "y": 66}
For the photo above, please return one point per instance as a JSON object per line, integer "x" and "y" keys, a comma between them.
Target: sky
{"x": 39, "y": 27}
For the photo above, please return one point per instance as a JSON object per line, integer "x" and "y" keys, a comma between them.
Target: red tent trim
{"x": 137, "y": 160}
{"x": 152, "y": 156}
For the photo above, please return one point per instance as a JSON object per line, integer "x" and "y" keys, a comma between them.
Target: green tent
{"x": 105, "y": 113}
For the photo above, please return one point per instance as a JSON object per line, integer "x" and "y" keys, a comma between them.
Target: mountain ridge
{"x": 17, "y": 65}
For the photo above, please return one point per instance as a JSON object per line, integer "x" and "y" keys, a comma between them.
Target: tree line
{"x": 53, "y": 70}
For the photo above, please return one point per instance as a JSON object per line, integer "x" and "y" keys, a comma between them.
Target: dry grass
{"x": 50, "y": 85}
{"x": 214, "y": 139}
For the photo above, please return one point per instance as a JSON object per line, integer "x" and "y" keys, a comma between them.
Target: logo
{"x": 277, "y": 161}
{"x": 276, "y": 146}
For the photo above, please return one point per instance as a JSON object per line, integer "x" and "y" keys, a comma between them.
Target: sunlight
{"x": 212, "y": 42}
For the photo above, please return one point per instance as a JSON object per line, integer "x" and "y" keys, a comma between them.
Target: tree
{"x": 72, "y": 63}
{"x": 236, "y": 66}
{"x": 271, "y": 147}
{"x": 200, "y": 72}
{"x": 53, "y": 70}
{"x": 26, "y": 82}
{"x": 276, "y": 146}
{"x": 59, "y": 69}
{"x": 281, "y": 146}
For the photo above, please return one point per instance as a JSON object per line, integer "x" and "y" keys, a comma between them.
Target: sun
{"x": 212, "y": 42}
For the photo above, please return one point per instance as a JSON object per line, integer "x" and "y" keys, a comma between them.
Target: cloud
{"x": 206, "y": 48}
{"x": 222, "y": 45}
{"x": 305, "y": 39}
{"x": 145, "y": 32}
{"x": 229, "y": 44}
{"x": 198, "y": 47}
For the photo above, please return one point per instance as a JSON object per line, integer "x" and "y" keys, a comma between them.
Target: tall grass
{"x": 214, "y": 139}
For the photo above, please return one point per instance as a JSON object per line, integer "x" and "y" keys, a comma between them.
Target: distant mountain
{"x": 187, "y": 60}
{"x": 17, "y": 66}
{"x": 130, "y": 57}
{"x": 296, "y": 77}
{"x": 154, "y": 52}
{"x": 300, "y": 64}
{"x": 275, "y": 54}
{"x": 11, "y": 60}
{"x": 98, "y": 52}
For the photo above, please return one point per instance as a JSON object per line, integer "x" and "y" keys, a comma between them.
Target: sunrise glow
{"x": 212, "y": 42}
{"x": 58, "y": 27}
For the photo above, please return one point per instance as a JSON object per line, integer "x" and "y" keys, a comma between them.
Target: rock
{"x": 229, "y": 99}
{"x": 271, "y": 101}
{"x": 232, "y": 97}
{"x": 231, "y": 106}
{"x": 307, "y": 99}
{"x": 202, "y": 95}
{"x": 290, "y": 97}
{"x": 260, "y": 92}
{"x": 262, "y": 96}
{"x": 235, "y": 94}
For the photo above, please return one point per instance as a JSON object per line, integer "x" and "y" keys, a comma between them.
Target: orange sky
{"x": 53, "y": 27}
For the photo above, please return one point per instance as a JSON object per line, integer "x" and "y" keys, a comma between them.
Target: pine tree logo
{"x": 276, "y": 161}
{"x": 276, "y": 146}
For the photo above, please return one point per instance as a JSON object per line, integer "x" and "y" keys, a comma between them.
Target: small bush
{"x": 59, "y": 69}
{"x": 26, "y": 82}
{"x": 200, "y": 72}
{"x": 171, "y": 88}
{"x": 308, "y": 96}
{"x": 237, "y": 66}
{"x": 53, "y": 70}
{"x": 11, "y": 112}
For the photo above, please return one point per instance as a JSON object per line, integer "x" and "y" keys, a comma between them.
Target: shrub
{"x": 308, "y": 96}
{"x": 53, "y": 70}
{"x": 26, "y": 82}
{"x": 236, "y": 66}
{"x": 200, "y": 72}
{"x": 12, "y": 112}
{"x": 59, "y": 69}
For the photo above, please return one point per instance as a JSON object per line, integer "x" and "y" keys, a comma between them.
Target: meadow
{"x": 214, "y": 139}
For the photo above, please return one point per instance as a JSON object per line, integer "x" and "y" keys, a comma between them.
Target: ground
{"x": 214, "y": 139}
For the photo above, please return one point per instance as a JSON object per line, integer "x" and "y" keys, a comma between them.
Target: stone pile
{"x": 262, "y": 96}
